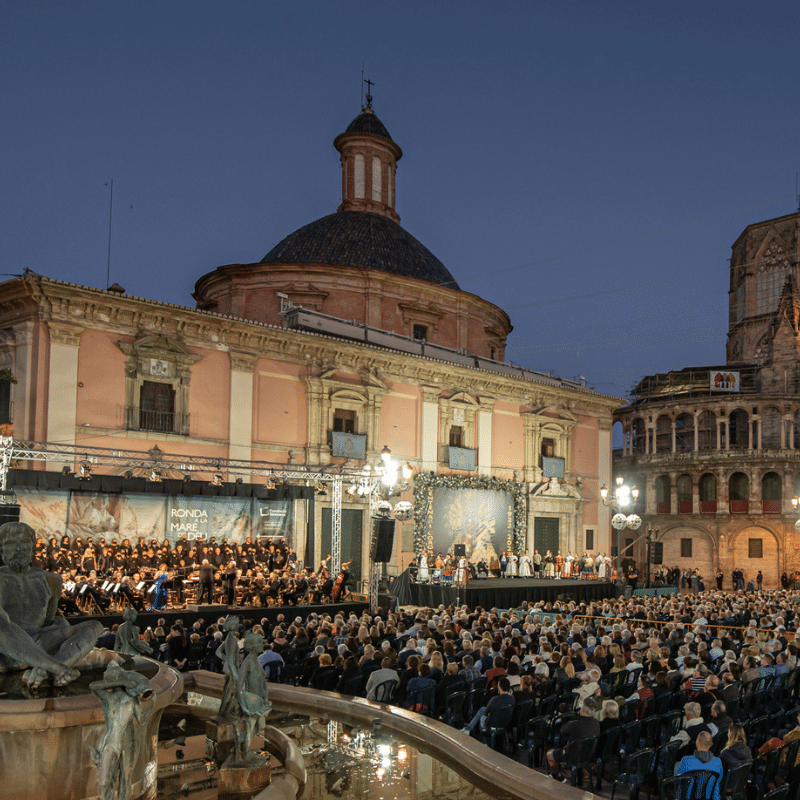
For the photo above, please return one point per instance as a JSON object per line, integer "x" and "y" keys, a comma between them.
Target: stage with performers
{"x": 499, "y": 592}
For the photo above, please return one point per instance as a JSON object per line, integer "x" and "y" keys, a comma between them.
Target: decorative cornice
{"x": 129, "y": 316}
{"x": 65, "y": 334}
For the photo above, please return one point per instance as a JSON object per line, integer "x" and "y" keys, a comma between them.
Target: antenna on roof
{"x": 362, "y": 85}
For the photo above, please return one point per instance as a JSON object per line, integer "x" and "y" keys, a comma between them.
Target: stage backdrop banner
{"x": 159, "y": 517}
{"x": 480, "y": 519}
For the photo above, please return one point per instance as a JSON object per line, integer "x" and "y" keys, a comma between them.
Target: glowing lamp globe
{"x": 403, "y": 511}
{"x": 619, "y": 521}
{"x": 634, "y": 522}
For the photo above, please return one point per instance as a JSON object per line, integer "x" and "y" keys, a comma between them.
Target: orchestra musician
{"x": 340, "y": 584}
{"x": 206, "y": 582}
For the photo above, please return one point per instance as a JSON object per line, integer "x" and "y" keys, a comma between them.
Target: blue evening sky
{"x": 584, "y": 165}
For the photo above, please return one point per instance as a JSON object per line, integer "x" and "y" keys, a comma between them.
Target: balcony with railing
{"x": 140, "y": 419}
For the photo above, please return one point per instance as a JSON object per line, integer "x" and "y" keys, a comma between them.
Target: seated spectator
{"x": 702, "y": 759}
{"x": 421, "y": 682}
{"x": 503, "y": 699}
{"x": 379, "y": 676}
{"x": 585, "y": 727}
{"x": 736, "y": 751}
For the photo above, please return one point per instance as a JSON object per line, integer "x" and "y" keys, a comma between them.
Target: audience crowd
{"x": 694, "y": 682}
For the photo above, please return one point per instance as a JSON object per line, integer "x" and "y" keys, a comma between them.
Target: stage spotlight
{"x": 217, "y": 479}
{"x": 128, "y": 474}
{"x": 322, "y": 489}
{"x": 187, "y": 478}
{"x": 155, "y": 475}
{"x": 239, "y": 481}
{"x": 66, "y": 471}
{"x": 85, "y": 470}
{"x": 351, "y": 490}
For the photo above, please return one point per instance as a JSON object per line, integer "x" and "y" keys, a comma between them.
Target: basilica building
{"x": 347, "y": 337}
{"x": 716, "y": 449}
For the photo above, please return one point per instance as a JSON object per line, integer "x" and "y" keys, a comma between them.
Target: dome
{"x": 361, "y": 239}
{"x": 368, "y": 122}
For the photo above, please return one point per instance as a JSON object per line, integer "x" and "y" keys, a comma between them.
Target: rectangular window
{"x": 589, "y": 539}
{"x": 755, "y": 548}
{"x": 344, "y": 421}
{"x": 628, "y": 549}
{"x": 686, "y": 548}
{"x": 548, "y": 448}
{"x": 157, "y": 407}
{"x": 420, "y": 333}
{"x": 456, "y": 436}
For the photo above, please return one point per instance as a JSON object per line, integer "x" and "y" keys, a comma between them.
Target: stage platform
{"x": 499, "y": 592}
{"x": 210, "y": 614}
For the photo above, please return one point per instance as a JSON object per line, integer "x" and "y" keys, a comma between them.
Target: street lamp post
{"x": 652, "y": 533}
{"x": 623, "y": 496}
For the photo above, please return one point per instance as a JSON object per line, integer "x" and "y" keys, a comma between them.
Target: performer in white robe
{"x": 423, "y": 576}
{"x": 525, "y": 566}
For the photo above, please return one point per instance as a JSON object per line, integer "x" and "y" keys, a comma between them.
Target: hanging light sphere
{"x": 619, "y": 521}
{"x": 403, "y": 511}
{"x": 634, "y": 522}
{"x": 384, "y": 508}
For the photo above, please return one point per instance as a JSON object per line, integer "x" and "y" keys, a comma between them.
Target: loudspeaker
{"x": 382, "y": 542}
{"x": 9, "y": 513}
{"x": 657, "y": 553}
{"x": 459, "y": 550}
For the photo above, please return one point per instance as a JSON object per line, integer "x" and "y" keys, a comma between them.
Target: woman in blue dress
{"x": 160, "y": 593}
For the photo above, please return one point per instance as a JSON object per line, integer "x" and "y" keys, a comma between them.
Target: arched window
{"x": 770, "y": 278}
{"x": 739, "y": 493}
{"x": 684, "y": 433}
{"x": 707, "y": 489}
{"x": 707, "y": 431}
{"x": 359, "y": 174}
{"x": 376, "y": 179}
{"x": 684, "y": 489}
{"x": 663, "y": 434}
{"x": 796, "y": 430}
{"x": 770, "y": 429}
{"x": 639, "y": 436}
{"x": 771, "y": 493}
{"x": 663, "y": 495}
{"x": 737, "y": 428}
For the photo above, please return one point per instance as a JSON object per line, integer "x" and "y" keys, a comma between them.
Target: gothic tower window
{"x": 770, "y": 278}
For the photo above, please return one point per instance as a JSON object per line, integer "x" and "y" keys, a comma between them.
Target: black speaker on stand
{"x": 382, "y": 541}
{"x": 380, "y": 551}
